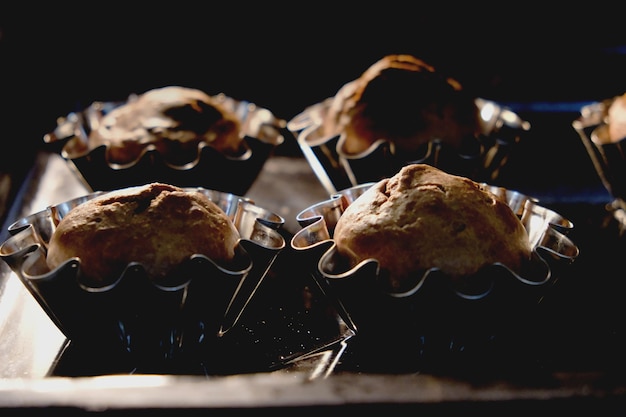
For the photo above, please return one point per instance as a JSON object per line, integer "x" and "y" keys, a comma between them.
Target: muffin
{"x": 174, "y": 135}
{"x": 405, "y": 101}
{"x": 602, "y": 128}
{"x": 424, "y": 218}
{"x": 430, "y": 269}
{"x": 173, "y": 119}
{"x": 155, "y": 272}
{"x": 156, "y": 225}
{"x": 427, "y": 267}
{"x": 402, "y": 110}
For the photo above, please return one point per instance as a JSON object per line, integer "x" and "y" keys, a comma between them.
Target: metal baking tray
{"x": 570, "y": 352}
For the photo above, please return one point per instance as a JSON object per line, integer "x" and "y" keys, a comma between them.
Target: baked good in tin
{"x": 157, "y": 225}
{"x": 423, "y": 218}
{"x": 174, "y": 120}
{"x": 405, "y": 101}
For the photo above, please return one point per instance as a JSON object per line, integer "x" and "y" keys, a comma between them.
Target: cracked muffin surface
{"x": 157, "y": 225}
{"x": 424, "y": 218}
{"x": 174, "y": 120}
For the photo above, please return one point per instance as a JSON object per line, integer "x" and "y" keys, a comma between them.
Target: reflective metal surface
{"x": 481, "y": 159}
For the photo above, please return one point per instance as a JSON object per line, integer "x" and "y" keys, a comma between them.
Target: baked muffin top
{"x": 424, "y": 218}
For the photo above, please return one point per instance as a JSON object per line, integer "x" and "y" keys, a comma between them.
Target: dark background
{"x": 57, "y": 58}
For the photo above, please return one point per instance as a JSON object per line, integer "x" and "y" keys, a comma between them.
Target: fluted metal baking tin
{"x": 135, "y": 314}
{"x": 608, "y": 159}
{"x": 502, "y": 130}
{"x": 211, "y": 169}
{"x": 362, "y": 301}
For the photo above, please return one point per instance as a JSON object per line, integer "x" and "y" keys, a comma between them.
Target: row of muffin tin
{"x": 148, "y": 328}
{"x": 125, "y": 319}
{"x": 502, "y": 131}
{"x": 263, "y": 132}
{"x": 143, "y": 324}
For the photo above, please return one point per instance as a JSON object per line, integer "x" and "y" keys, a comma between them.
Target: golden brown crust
{"x": 172, "y": 119}
{"x": 405, "y": 101}
{"x": 157, "y": 225}
{"x": 424, "y": 218}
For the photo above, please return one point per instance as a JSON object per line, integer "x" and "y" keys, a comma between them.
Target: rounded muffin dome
{"x": 157, "y": 225}
{"x": 172, "y": 119}
{"x": 423, "y": 218}
{"x": 405, "y": 101}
